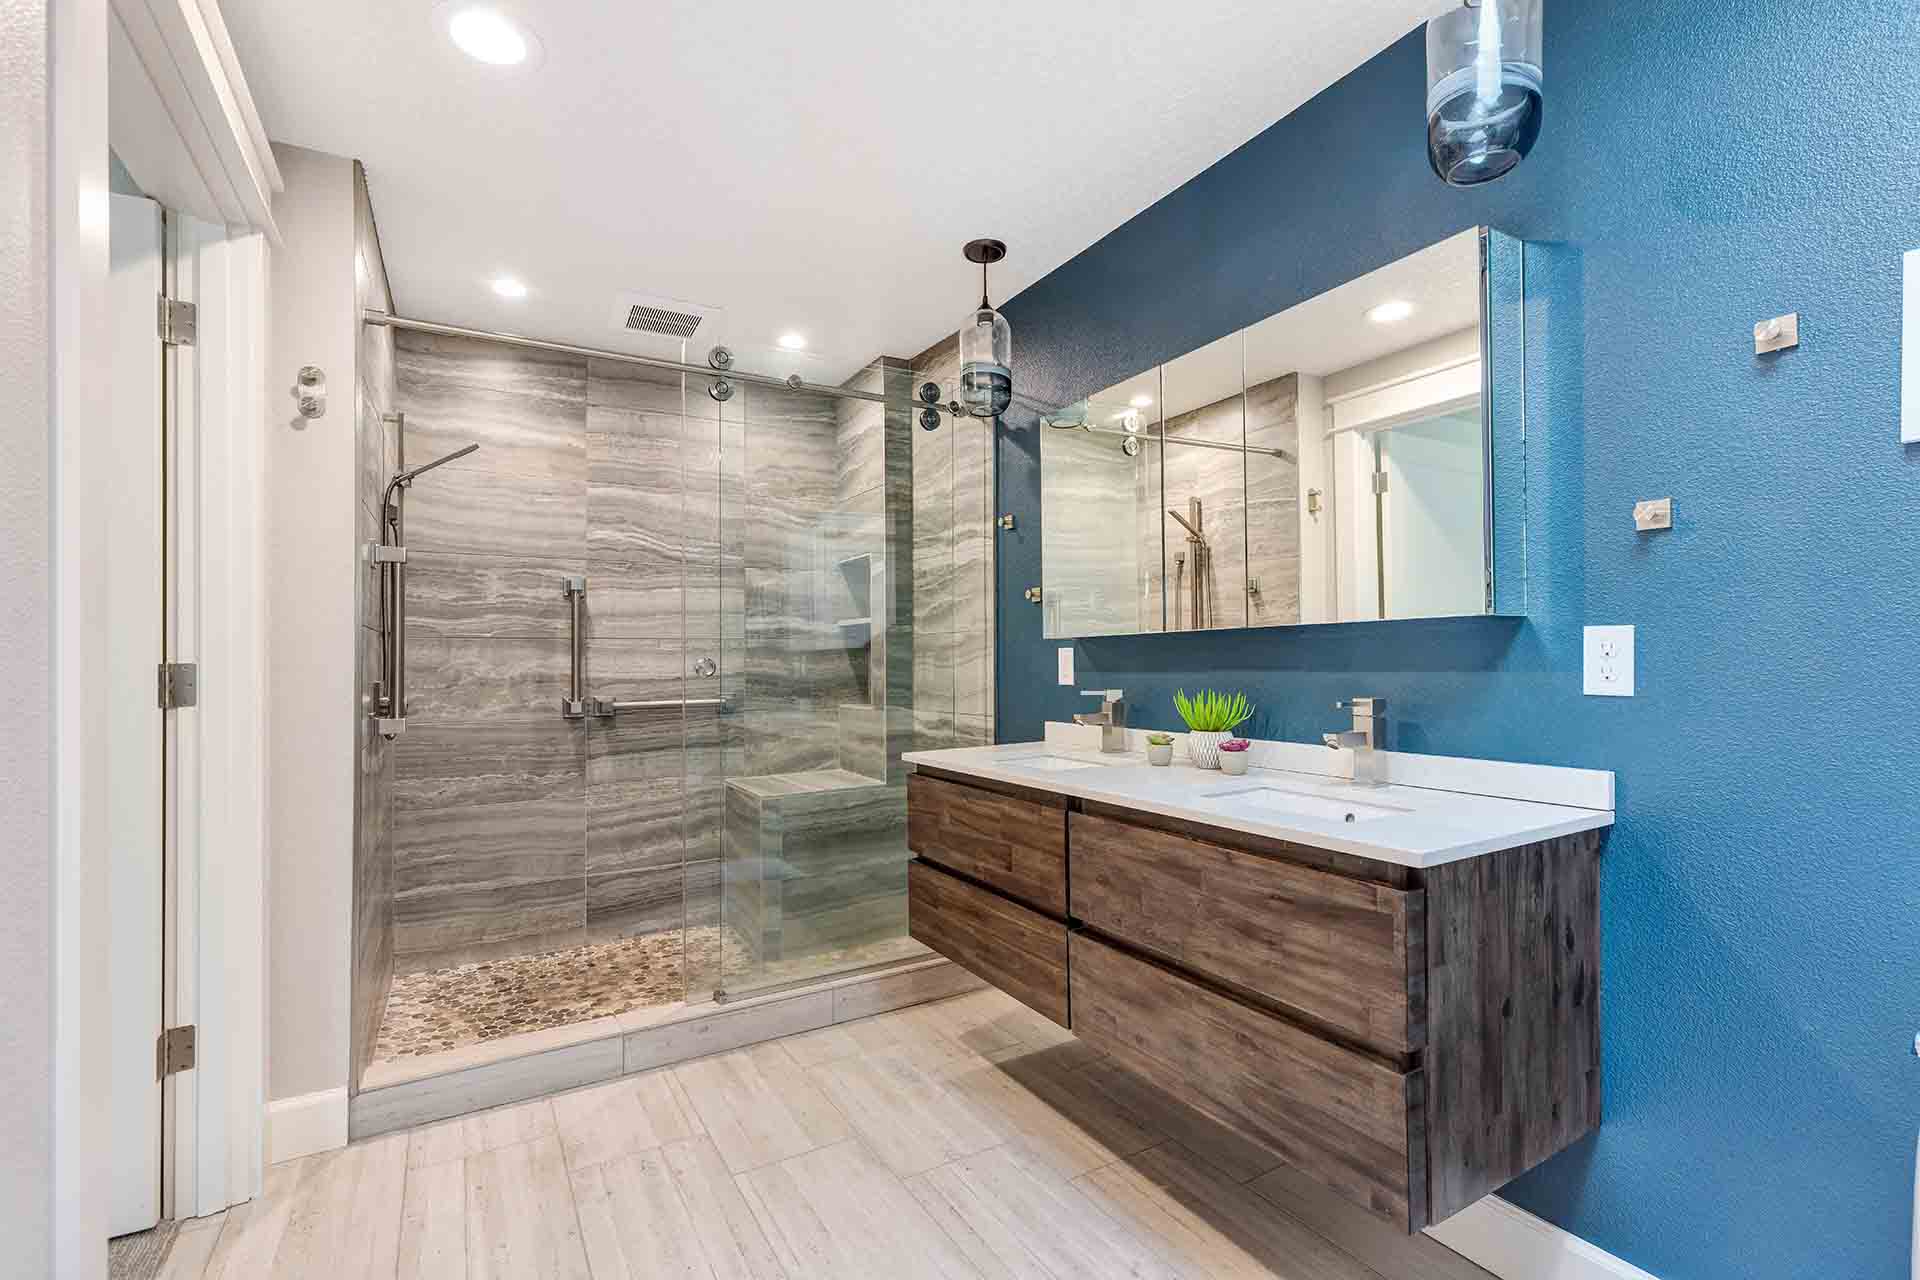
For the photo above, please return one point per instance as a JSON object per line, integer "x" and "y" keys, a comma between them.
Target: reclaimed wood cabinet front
{"x": 1412, "y": 1038}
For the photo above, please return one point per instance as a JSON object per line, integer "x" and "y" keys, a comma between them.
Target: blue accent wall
{"x": 1703, "y": 166}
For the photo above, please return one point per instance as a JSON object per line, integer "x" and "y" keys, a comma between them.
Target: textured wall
{"x": 378, "y": 449}
{"x": 1701, "y": 169}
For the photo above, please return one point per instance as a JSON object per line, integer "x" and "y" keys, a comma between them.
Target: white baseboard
{"x": 305, "y": 1124}
{"x": 1515, "y": 1245}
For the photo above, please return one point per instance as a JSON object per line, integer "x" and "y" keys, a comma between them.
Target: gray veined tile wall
{"x": 759, "y": 534}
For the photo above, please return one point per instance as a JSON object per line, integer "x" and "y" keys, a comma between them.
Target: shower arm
{"x": 388, "y": 701}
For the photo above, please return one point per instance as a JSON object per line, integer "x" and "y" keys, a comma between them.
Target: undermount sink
{"x": 1053, "y": 763}
{"x": 1302, "y": 804}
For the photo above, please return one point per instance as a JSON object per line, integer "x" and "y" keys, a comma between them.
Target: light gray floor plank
{"x": 633, "y": 1114}
{"x": 433, "y": 1223}
{"x": 1239, "y": 1158}
{"x": 1207, "y": 1225}
{"x": 192, "y": 1248}
{"x": 251, "y": 1239}
{"x": 911, "y": 1117}
{"x": 759, "y": 1107}
{"x": 1032, "y": 1222}
{"x": 521, "y": 1223}
{"x": 1376, "y": 1243}
{"x": 672, "y": 1211}
{"x": 464, "y": 1136}
{"x": 838, "y": 1214}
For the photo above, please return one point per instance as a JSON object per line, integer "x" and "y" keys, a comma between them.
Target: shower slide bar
{"x": 577, "y": 705}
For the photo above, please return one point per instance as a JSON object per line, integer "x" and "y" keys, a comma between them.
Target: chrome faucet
{"x": 1111, "y": 717}
{"x": 1367, "y": 739}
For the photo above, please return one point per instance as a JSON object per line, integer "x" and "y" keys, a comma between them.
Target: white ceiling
{"x": 804, "y": 166}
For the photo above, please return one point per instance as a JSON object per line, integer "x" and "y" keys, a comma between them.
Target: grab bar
{"x": 574, "y": 705}
{"x": 608, "y": 707}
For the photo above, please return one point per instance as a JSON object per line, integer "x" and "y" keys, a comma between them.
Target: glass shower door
{"x": 815, "y": 535}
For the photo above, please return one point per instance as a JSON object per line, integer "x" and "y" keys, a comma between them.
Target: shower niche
{"x": 1357, "y": 457}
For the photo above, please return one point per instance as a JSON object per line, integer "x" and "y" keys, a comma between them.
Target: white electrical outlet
{"x": 1066, "y": 664}
{"x": 1609, "y": 664}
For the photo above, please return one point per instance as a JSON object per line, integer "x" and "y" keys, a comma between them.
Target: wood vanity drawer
{"x": 1350, "y": 1120}
{"x": 1016, "y": 845}
{"x": 1347, "y": 953}
{"x": 1019, "y": 951}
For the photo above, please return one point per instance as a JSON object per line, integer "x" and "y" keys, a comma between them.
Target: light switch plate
{"x": 1609, "y": 662}
{"x": 1066, "y": 664}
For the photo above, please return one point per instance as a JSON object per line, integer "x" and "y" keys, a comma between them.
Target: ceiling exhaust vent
{"x": 668, "y": 324}
{"x": 671, "y": 318}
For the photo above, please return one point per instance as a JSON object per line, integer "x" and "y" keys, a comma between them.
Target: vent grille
{"x": 668, "y": 324}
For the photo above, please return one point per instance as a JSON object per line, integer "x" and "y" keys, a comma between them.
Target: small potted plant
{"x": 1234, "y": 754}
{"x": 1160, "y": 749}
{"x": 1211, "y": 719}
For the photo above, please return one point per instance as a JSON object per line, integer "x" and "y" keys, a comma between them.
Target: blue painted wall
{"x": 1703, "y": 166}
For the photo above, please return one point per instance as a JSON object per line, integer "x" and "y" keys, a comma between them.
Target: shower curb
{"x": 612, "y": 1047}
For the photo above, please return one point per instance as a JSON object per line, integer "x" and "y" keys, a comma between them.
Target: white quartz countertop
{"x": 1415, "y": 826}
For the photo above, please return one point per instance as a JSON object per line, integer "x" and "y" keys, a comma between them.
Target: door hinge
{"x": 179, "y": 321}
{"x": 179, "y": 685}
{"x": 1379, "y": 482}
{"x": 174, "y": 1051}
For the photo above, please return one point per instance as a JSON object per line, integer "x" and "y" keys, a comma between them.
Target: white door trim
{"x": 216, "y": 803}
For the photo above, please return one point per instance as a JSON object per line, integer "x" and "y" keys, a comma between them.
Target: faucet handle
{"x": 1361, "y": 706}
{"x": 1111, "y": 695}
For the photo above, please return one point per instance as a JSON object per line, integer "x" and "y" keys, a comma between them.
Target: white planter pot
{"x": 1161, "y": 756}
{"x": 1233, "y": 762}
{"x": 1204, "y": 748}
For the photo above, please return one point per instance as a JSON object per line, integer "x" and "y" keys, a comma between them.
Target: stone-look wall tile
{"x": 453, "y": 927}
{"x": 636, "y": 522}
{"x": 859, "y": 444}
{"x": 863, "y": 740}
{"x": 933, "y": 659}
{"x": 636, "y": 767}
{"x": 488, "y": 761}
{"x": 487, "y": 596}
{"x": 973, "y": 731}
{"x": 621, "y": 904}
{"x": 973, "y": 672}
{"x": 701, "y": 881}
{"x": 453, "y": 679}
{"x": 644, "y": 390}
{"x": 933, "y": 573}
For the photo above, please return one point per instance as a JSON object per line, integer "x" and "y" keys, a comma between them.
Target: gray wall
{"x": 377, "y": 447}
{"x": 313, "y": 631}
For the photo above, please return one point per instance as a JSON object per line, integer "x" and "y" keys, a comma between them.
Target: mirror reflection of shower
{"x": 1200, "y": 587}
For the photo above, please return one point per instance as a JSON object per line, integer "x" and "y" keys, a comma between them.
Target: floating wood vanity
{"x": 1413, "y": 1036}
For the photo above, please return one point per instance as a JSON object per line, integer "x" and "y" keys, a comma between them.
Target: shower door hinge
{"x": 174, "y": 1052}
{"x": 178, "y": 322}
{"x": 1379, "y": 482}
{"x": 179, "y": 685}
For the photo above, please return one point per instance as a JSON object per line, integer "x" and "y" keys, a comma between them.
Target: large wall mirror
{"x": 1341, "y": 461}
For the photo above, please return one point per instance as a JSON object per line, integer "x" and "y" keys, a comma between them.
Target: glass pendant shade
{"x": 1483, "y": 89}
{"x": 986, "y": 362}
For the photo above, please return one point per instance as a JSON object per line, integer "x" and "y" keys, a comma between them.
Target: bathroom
{"x": 657, "y": 762}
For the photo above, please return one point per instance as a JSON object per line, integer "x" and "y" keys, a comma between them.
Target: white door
{"x": 131, "y": 486}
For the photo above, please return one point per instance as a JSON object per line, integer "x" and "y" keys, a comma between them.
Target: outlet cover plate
{"x": 1609, "y": 662}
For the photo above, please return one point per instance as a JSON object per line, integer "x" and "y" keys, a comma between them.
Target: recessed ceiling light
{"x": 1141, "y": 402}
{"x": 508, "y": 287}
{"x": 793, "y": 341}
{"x": 489, "y": 36}
{"x": 1391, "y": 312}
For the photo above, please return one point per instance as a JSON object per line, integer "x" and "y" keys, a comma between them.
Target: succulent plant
{"x": 1236, "y": 744}
{"x": 1211, "y": 712}
{"x": 1159, "y": 739}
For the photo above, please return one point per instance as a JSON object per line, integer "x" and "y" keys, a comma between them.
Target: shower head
{"x": 408, "y": 476}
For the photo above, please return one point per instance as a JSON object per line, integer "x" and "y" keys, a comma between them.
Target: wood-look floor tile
{"x": 1010, "y": 1211}
{"x": 1366, "y": 1237}
{"x": 336, "y": 1218}
{"x": 759, "y": 1107}
{"x": 482, "y": 1131}
{"x": 1071, "y": 1128}
{"x": 521, "y": 1223}
{"x": 837, "y": 1212}
{"x": 907, "y": 1111}
{"x": 251, "y": 1239}
{"x": 670, "y": 1211}
{"x": 633, "y": 1114}
{"x": 828, "y": 1044}
{"x": 433, "y": 1223}
{"x": 192, "y": 1248}
{"x": 1210, "y": 1226}
{"x": 1240, "y": 1158}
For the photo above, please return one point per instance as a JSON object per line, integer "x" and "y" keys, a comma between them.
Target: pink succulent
{"x": 1235, "y": 744}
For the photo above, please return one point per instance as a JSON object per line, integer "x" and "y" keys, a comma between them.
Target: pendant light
{"x": 986, "y": 344}
{"x": 1483, "y": 89}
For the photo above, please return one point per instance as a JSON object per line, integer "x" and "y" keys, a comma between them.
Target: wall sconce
{"x": 1483, "y": 89}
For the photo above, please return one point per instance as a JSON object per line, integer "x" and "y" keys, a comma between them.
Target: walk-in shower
{"x": 666, "y": 637}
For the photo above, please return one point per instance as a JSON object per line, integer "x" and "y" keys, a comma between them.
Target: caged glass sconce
{"x": 986, "y": 344}
{"x": 1483, "y": 89}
